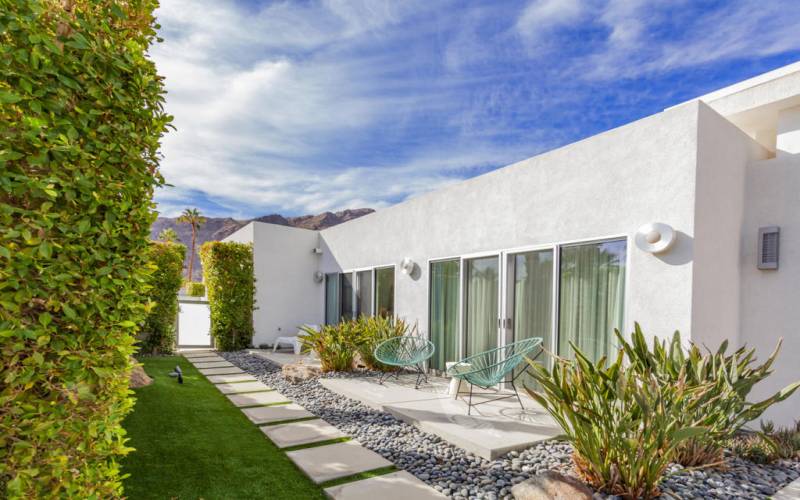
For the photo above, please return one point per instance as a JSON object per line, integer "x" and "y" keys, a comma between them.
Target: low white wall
{"x": 770, "y": 299}
{"x": 606, "y": 185}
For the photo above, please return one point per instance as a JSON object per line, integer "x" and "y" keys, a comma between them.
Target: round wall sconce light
{"x": 319, "y": 276}
{"x": 407, "y": 266}
{"x": 655, "y": 237}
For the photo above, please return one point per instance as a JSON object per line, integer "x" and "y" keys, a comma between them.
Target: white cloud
{"x": 542, "y": 17}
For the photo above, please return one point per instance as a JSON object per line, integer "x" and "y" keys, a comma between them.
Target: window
{"x": 443, "y": 314}
{"x": 364, "y": 293}
{"x": 532, "y": 300}
{"x": 591, "y": 297}
{"x": 481, "y": 302}
{"x": 346, "y": 296}
{"x": 384, "y": 292}
{"x": 332, "y": 298}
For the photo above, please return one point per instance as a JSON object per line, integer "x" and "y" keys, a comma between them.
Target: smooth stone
{"x": 220, "y": 371}
{"x": 551, "y": 485}
{"x": 296, "y": 373}
{"x": 242, "y": 387}
{"x": 297, "y": 433}
{"x": 395, "y": 486}
{"x": 236, "y": 377}
{"x": 257, "y": 398}
{"x": 324, "y": 463}
{"x": 279, "y": 413}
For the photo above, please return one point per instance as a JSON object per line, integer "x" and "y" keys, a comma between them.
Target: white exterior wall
{"x": 287, "y": 296}
{"x": 607, "y": 185}
{"x": 788, "y": 140}
{"x": 770, "y": 299}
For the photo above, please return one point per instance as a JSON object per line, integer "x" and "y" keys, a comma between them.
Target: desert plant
{"x": 623, "y": 424}
{"x": 374, "y": 330}
{"x": 336, "y": 345}
{"x": 158, "y": 333}
{"x": 783, "y": 442}
{"x": 751, "y": 446}
{"x": 192, "y": 217}
{"x": 732, "y": 377}
{"x": 230, "y": 286}
{"x": 81, "y": 118}
{"x": 195, "y": 289}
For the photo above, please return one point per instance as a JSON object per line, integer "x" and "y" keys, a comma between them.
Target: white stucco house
{"x": 547, "y": 247}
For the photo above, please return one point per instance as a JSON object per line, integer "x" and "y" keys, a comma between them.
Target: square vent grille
{"x": 768, "y": 247}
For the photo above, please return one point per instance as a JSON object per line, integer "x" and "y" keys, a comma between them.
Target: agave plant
{"x": 624, "y": 424}
{"x": 732, "y": 377}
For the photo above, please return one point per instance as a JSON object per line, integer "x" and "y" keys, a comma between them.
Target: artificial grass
{"x": 192, "y": 443}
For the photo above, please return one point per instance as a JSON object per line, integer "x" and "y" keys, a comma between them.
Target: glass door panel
{"x": 384, "y": 292}
{"x": 332, "y": 298}
{"x": 346, "y": 296}
{"x": 443, "y": 312}
{"x": 532, "y": 301}
{"x": 481, "y": 303}
{"x": 591, "y": 297}
{"x": 364, "y": 293}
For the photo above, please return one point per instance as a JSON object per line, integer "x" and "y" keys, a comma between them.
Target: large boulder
{"x": 138, "y": 376}
{"x": 299, "y": 372}
{"x": 550, "y": 485}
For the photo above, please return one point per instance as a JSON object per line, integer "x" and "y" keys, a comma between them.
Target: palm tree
{"x": 168, "y": 235}
{"x": 192, "y": 216}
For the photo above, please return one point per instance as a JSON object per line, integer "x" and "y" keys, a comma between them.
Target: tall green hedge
{"x": 230, "y": 286}
{"x": 81, "y": 118}
{"x": 158, "y": 333}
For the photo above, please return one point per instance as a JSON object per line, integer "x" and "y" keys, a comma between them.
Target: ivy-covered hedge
{"x": 158, "y": 333}
{"x": 230, "y": 286}
{"x": 81, "y": 118}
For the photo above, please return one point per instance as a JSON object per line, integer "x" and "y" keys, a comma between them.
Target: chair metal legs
{"x": 418, "y": 369}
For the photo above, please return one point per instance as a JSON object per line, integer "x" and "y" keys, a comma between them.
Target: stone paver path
{"x": 257, "y": 398}
{"x": 220, "y": 371}
{"x": 197, "y": 354}
{"x": 205, "y": 359}
{"x": 214, "y": 364}
{"x": 226, "y": 379}
{"x": 270, "y": 414}
{"x": 298, "y": 433}
{"x": 333, "y": 461}
{"x": 394, "y": 486}
{"x": 239, "y": 387}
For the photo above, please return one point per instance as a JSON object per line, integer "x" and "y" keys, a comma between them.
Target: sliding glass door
{"x": 591, "y": 297}
{"x": 364, "y": 293}
{"x": 384, "y": 292}
{"x": 481, "y": 303}
{"x": 346, "y": 296}
{"x": 532, "y": 300}
{"x": 332, "y": 298}
{"x": 444, "y": 292}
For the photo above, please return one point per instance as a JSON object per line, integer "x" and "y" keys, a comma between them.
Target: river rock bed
{"x": 462, "y": 475}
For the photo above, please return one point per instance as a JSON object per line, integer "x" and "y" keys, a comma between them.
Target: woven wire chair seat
{"x": 405, "y": 351}
{"x": 489, "y": 368}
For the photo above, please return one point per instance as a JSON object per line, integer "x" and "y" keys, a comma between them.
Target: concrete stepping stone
{"x": 220, "y": 371}
{"x": 215, "y": 364}
{"x": 257, "y": 398}
{"x": 305, "y": 432}
{"x": 234, "y": 377}
{"x": 324, "y": 463}
{"x": 197, "y": 354}
{"x": 238, "y": 387}
{"x": 270, "y": 414}
{"x": 394, "y": 486}
{"x": 207, "y": 359}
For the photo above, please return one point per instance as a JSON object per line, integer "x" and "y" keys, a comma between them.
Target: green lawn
{"x": 191, "y": 443}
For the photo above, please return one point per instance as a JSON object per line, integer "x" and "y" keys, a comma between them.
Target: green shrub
{"x": 195, "y": 289}
{"x": 732, "y": 377}
{"x": 752, "y": 446}
{"x": 336, "y": 345}
{"x": 158, "y": 333}
{"x": 230, "y": 285}
{"x": 782, "y": 442}
{"x": 374, "y": 330}
{"x": 624, "y": 425}
{"x": 81, "y": 116}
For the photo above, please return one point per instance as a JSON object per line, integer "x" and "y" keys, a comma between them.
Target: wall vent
{"x": 768, "y": 247}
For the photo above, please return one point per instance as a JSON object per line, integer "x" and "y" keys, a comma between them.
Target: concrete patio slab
{"x": 257, "y": 398}
{"x": 297, "y": 433}
{"x": 220, "y": 371}
{"x": 323, "y": 463}
{"x": 789, "y": 492}
{"x": 270, "y": 414}
{"x": 214, "y": 364}
{"x": 240, "y": 387}
{"x": 493, "y": 429}
{"x": 235, "y": 377}
{"x": 395, "y": 486}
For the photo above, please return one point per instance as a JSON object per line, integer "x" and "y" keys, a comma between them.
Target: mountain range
{"x": 218, "y": 228}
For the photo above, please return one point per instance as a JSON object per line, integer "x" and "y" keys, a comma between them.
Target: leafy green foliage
{"x": 230, "y": 285}
{"x": 81, "y": 116}
{"x": 371, "y": 331}
{"x": 336, "y": 345}
{"x": 195, "y": 289}
{"x": 782, "y": 442}
{"x": 158, "y": 333}
{"x": 168, "y": 235}
{"x": 624, "y": 425}
{"x": 732, "y": 377}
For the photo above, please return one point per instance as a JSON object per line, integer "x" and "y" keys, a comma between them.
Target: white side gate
{"x": 194, "y": 322}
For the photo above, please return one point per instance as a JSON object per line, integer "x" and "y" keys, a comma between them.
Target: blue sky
{"x": 305, "y": 106}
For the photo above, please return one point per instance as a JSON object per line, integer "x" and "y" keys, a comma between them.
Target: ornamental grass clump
{"x": 335, "y": 345}
{"x": 623, "y": 424}
{"x": 731, "y": 377}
